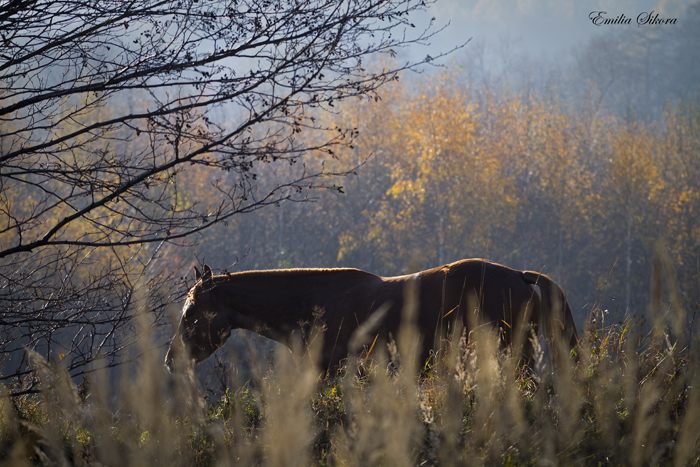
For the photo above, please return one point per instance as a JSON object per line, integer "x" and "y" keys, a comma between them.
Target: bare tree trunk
{"x": 441, "y": 238}
{"x": 560, "y": 253}
{"x": 628, "y": 271}
{"x": 280, "y": 235}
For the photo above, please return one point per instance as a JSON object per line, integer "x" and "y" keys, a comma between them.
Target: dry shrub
{"x": 631, "y": 396}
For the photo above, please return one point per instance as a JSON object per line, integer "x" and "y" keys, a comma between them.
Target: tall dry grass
{"x": 630, "y": 397}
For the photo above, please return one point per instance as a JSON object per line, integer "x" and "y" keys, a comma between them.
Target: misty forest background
{"x": 584, "y": 169}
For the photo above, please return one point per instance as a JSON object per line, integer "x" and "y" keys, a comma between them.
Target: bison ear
{"x": 197, "y": 274}
{"x": 207, "y": 275}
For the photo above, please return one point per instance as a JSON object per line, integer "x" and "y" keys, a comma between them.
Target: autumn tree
{"x": 449, "y": 187}
{"x": 437, "y": 193}
{"x": 106, "y": 107}
{"x": 682, "y": 148}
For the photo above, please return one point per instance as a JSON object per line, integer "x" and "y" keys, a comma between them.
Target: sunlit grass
{"x": 630, "y": 397}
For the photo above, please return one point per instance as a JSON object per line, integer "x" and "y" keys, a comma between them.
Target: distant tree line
{"x": 459, "y": 171}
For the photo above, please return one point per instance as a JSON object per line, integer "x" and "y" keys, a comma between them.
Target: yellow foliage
{"x": 460, "y": 173}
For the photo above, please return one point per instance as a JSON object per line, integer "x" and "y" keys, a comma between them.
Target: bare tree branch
{"x": 111, "y": 112}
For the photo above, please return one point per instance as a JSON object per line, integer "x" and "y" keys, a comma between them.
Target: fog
{"x": 539, "y": 28}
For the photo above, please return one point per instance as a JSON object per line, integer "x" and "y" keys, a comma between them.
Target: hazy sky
{"x": 541, "y": 27}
